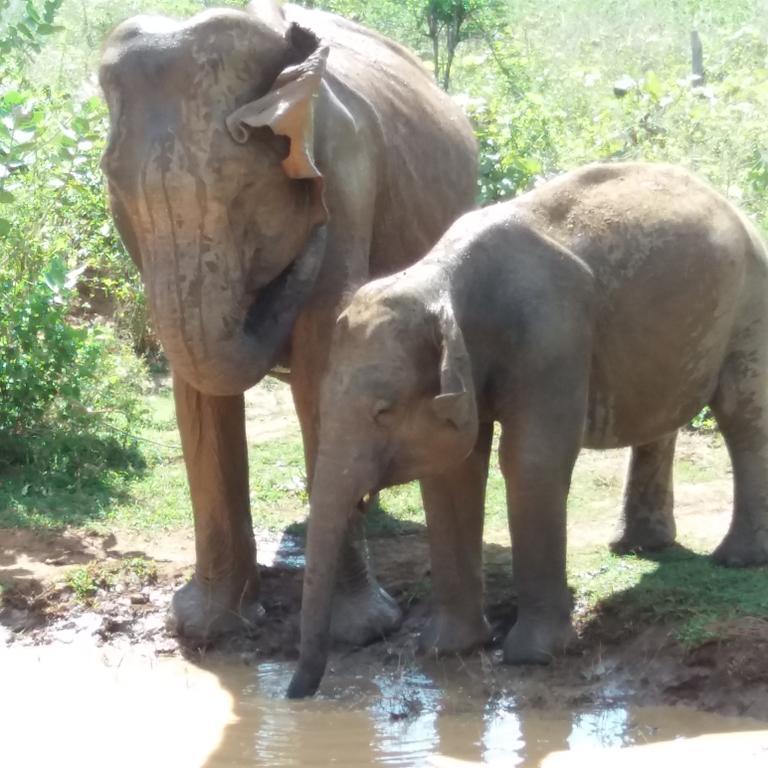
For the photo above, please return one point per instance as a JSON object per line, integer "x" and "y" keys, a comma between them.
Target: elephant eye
{"x": 383, "y": 411}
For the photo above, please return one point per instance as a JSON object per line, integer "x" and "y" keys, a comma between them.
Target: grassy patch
{"x": 58, "y": 479}
{"x": 160, "y": 499}
{"x": 86, "y": 581}
{"x": 137, "y": 480}
{"x": 680, "y": 587}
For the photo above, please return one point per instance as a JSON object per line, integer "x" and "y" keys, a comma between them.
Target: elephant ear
{"x": 288, "y": 109}
{"x": 455, "y": 405}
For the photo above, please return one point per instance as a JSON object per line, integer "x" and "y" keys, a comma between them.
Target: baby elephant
{"x": 603, "y": 309}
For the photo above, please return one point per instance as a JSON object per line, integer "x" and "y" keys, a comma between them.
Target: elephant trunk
{"x": 336, "y": 493}
{"x": 225, "y": 277}
{"x": 221, "y": 336}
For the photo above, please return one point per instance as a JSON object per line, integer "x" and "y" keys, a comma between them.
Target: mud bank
{"x": 616, "y": 662}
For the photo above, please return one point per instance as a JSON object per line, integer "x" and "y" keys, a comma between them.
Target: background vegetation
{"x": 548, "y": 87}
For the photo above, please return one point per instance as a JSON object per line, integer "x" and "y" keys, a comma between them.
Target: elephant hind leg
{"x": 648, "y": 522}
{"x": 740, "y": 406}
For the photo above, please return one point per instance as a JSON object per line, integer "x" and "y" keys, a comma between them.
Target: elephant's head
{"x": 213, "y": 183}
{"x": 397, "y": 404}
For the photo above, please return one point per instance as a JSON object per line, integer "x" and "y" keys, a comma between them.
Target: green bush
{"x": 70, "y": 387}
{"x": 39, "y": 350}
{"x": 52, "y": 198}
{"x": 54, "y": 370}
{"x": 547, "y": 82}
{"x": 71, "y": 397}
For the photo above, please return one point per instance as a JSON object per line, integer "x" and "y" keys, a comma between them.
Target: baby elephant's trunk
{"x": 334, "y": 500}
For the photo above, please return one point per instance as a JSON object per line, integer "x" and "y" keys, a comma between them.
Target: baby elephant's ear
{"x": 455, "y": 409}
{"x": 288, "y": 110}
{"x": 455, "y": 405}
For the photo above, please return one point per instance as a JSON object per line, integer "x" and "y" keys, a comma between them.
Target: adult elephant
{"x": 261, "y": 163}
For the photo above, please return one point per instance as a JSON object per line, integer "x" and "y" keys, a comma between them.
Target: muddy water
{"x": 78, "y": 705}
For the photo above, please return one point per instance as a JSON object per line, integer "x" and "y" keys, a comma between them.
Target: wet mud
{"x": 608, "y": 667}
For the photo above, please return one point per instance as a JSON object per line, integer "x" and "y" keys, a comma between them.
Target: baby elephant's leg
{"x": 454, "y": 503}
{"x": 648, "y": 518}
{"x": 740, "y": 406}
{"x": 538, "y": 450}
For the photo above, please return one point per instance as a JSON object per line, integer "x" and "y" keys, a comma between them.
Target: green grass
{"x": 138, "y": 483}
{"x": 680, "y": 586}
{"x": 66, "y": 480}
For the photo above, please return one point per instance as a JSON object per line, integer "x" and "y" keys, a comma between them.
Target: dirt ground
{"x": 644, "y": 667}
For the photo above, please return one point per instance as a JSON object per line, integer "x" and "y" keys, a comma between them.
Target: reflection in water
{"x": 405, "y": 719}
{"x": 606, "y": 728}
{"x": 135, "y": 709}
{"x": 503, "y": 741}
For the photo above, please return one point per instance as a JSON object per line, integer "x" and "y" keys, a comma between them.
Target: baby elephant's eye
{"x": 383, "y": 411}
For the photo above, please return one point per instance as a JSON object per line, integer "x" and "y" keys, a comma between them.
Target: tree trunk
{"x": 697, "y": 59}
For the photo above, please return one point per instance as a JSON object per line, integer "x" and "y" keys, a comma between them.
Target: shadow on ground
{"x": 57, "y": 479}
{"x": 684, "y": 588}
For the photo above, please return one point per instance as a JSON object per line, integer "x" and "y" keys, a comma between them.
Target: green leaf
{"x": 49, "y": 29}
{"x": 26, "y": 146}
{"x": 652, "y": 86}
{"x": 81, "y": 125}
{"x": 6, "y": 197}
{"x": 5, "y": 227}
{"x": 31, "y": 11}
{"x": 56, "y": 275}
{"x": 25, "y": 30}
{"x": 13, "y": 98}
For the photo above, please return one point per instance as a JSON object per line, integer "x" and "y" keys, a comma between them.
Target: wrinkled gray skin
{"x": 261, "y": 164}
{"x": 603, "y": 309}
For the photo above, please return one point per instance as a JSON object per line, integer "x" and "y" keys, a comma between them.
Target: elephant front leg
{"x": 222, "y": 595}
{"x": 455, "y": 505}
{"x": 537, "y": 453}
{"x": 648, "y": 517}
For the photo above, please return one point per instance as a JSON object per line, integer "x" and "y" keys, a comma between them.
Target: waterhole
{"x": 83, "y": 706}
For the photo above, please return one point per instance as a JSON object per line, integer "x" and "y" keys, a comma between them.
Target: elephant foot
{"x": 537, "y": 641}
{"x": 447, "y": 634}
{"x": 363, "y": 616}
{"x": 648, "y": 534}
{"x": 740, "y": 549}
{"x": 200, "y": 612}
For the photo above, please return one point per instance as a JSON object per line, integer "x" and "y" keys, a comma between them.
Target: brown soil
{"x": 729, "y": 676}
